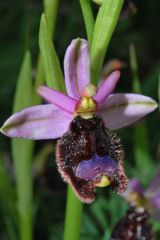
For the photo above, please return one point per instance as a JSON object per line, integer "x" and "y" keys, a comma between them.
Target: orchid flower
{"x": 134, "y": 225}
{"x": 148, "y": 198}
{"x": 143, "y": 204}
{"x": 89, "y": 154}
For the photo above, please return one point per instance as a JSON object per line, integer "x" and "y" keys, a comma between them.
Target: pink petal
{"x": 120, "y": 110}
{"x": 38, "y": 122}
{"x": 57, "y": 98}
{"x": 107, "y": 87}
{"x": 77, "y": 67}
{"x": 133, "y": 185}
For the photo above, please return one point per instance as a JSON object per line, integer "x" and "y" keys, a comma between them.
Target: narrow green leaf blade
{"x": 88, "y": 18}
{"x": 23, "y": 94}
{"x": 53, "y": 73}
{"x": 50, "y": 9}
{"x": 22, "y": 151}
{"x": 141, "y": 143}
{"x": 105, "y": 24}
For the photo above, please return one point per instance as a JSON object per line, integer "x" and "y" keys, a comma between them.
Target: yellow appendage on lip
{"x": 87, "y": 106}
{"x": 104, "y": 182}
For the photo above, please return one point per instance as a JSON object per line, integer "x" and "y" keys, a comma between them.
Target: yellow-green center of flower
{"x": 86, "y": 105}
{"x": 104, "y": 182}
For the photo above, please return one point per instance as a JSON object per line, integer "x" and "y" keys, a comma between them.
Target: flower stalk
{"x": 73, "y": 216}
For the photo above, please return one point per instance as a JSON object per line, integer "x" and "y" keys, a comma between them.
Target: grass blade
{"x": 104, "y": 26}
{"x": 53, "y": 73}
{"x": 22, "y": 151}
{"x": 88, "y": 18}
{"x": 50, "y": 9}
{"x": 141, "y": 144}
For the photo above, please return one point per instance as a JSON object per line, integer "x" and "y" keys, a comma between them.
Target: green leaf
{"x": 105, "y": 24}
{"x": 140, "y": 138}
{"x": 88, "y": 18}
{"x": 23, "y": 94}
{"x": 53, "y": 73}
{"x": 22, "y": 151}
{"x": 50, "y": 9}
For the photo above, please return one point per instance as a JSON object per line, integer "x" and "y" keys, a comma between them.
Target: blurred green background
{"x": 19, "y": 27}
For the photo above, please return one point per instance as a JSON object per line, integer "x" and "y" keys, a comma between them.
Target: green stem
{"x": 140, "y": 137}
{"x": 136, "y": 87}
{"x": 73, "y": 216}
{"x": 88, "y": 18}
{"x": 105, "y": 24}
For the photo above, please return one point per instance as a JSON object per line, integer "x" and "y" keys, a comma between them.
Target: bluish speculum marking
{"x": 96, "y": 166}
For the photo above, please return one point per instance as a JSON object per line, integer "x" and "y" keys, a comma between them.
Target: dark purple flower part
{"x": 148, "y": 198}
{"x": 134, "y": 226}
{"x": 89, "y": 154}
